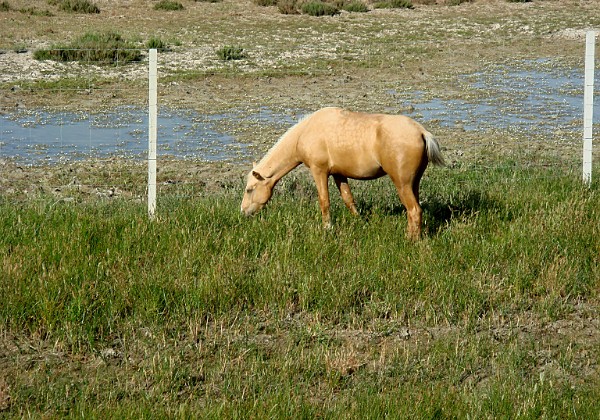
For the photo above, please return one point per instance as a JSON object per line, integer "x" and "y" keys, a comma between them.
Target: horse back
{"x": 358, "y": 145}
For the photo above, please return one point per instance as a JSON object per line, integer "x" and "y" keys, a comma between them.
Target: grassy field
{"x": 205, "y": 313}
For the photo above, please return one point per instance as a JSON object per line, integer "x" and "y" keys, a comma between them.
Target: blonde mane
{"x": 281, "y": 138}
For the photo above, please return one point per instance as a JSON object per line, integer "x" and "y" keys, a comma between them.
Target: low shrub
{"x": 319, "y": 8}
{"x": 5, "y": 6}
{"x": 229, "y": 52}
{"x": 97, "y": 48}
{"x": 265, "y": 2}
{"x": 394, "y": 4}
{"x": 155, "y": 42}
{"x": 77, "y": 6}
{"x": 356, "y": 6}
{"x": 168, "y": 5}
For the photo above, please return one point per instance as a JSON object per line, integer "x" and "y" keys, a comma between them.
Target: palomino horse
{"x": 344, "y": 144}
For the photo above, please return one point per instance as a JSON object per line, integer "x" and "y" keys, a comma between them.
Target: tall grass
{"x": 204, "y": 312}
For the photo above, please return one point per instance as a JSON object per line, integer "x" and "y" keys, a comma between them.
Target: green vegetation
{"x": 355, "y": 6}
{"x": 5, "y": 6}
{"x": 168, "y": 5}
{"x": 99, "y": 48}
{"x": 319, "y": 8}
{"x": 32, "y": 11}
{"x": 156, "y": 42}
{"x": 75, "y": 6}
{"x": 231, "y": 52}
{"x": 315, "y": 7}
{"x": 266, "y": 2}
{"x": 394, "y": 4}
{"x": 204, "y": 313}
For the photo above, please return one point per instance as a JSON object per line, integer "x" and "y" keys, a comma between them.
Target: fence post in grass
{"x": 152, "y": 131}
{"x": 588, "y": 106}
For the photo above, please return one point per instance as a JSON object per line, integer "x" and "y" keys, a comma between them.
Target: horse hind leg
{"x": 408, "y": 193}
{"x": 347, "y": 197}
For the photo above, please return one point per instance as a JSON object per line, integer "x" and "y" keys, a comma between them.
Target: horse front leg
{"x": 344, "y": 187}
{"x": 320, "y": 178}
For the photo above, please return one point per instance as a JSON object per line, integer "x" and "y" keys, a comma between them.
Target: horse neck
{"x": 281, "y": 159}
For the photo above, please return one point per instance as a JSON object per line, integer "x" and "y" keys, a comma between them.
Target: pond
{"x": 41, "y": 135}
{"x": 535, "y": 95}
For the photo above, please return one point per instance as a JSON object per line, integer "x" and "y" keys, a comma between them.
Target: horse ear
{"x": 257, "y": 176}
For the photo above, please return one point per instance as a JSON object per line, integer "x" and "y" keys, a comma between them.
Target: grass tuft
{"x": 76, "y": 6}
{"x": 394, "y": 4}
{"x": 319, "y": 8}
{"x": 230, "y": 52}
{"x": 93, "y": 47}
{"x": 355, "y": 6}
{"x": 168, "y": 5}
{"x": 156, "y": 42}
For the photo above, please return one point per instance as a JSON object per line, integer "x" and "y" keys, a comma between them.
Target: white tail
{"x": 434, "y": 154}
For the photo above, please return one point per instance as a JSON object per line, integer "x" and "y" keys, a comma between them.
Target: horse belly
{"x": 357, "y": 165}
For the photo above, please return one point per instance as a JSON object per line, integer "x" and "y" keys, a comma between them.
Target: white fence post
{"x": 588, "y": 105}
{"x": 152, "y": 131}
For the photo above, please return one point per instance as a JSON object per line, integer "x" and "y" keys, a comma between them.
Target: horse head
{"x": 257, "y": 193}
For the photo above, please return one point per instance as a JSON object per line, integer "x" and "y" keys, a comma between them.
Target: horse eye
{"x": 249, "y": 190}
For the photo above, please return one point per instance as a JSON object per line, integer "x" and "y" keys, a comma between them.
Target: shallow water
{"x": 533, "y": 96}
{"x": 537, "y": 95}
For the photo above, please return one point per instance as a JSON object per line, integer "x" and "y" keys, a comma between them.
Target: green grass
{"x": 205, "y": 313}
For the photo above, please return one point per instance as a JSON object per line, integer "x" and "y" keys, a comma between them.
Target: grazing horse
{"x": 345, "y": 144}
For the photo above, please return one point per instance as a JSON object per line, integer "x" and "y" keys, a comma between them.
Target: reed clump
{"x": 93, "y": 47}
